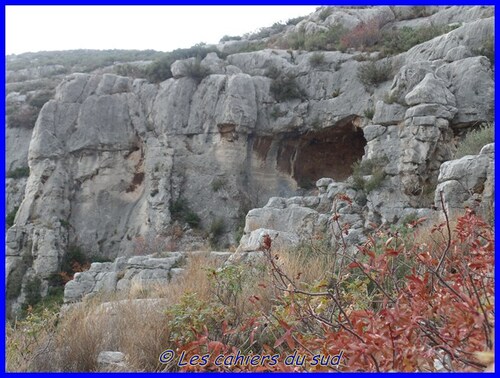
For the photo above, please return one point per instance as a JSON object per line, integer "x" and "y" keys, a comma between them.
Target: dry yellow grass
{"x": 135, "y": 321}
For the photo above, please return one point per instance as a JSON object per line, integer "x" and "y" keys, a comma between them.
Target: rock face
{"x": 112, "y": 158}
{"x": 124, "y": 273}
{"x": 468, "y": 181}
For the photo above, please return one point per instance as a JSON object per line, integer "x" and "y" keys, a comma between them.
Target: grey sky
{"x": 163, "y": 28}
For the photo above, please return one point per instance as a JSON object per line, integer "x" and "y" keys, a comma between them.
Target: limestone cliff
{"x": 114, "y": 158}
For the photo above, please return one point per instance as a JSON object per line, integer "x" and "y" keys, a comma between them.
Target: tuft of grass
{"x": 369, "y": 113}
{"x": 336, "y": 93}
{"x": 475, "y": 140}
{"x": 218, "y": 184}
{"x": 317, "y": 59}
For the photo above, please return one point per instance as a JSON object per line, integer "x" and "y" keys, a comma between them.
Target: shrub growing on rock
{"x": 321, "y": 40}
{"x": 374, "y": 168}
{"x": 317, "y": 59}
{"x": 285, "y": 88}
{"x": 11, "y": 216}
{"x": 180, "y": 211}
{"x": 401, "y": 40}
{"x": 196, "y": 71}
{"x": 475, "y": 140}
{"x": 19, "y": 172}
{"x": 23, "y": 116}
{"x": 386, "y": 309}
{"x": 373, "y": 73}
{"x": 159, "y": 70}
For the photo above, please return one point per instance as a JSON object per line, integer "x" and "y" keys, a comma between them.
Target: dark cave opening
{"x": 329, "y": 152}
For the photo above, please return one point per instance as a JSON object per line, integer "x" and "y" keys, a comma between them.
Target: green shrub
{"x": 475, "y": 140}
{"x": 19, "y": 172}
{"x": 369, "y": 113}
{"x": 272, "y": 72}
{"x": 159, "y": 70}
{"x": 317, "y": 59}
{"x": 22, "y": 116}
{"x": 230, "y": 38}
{"x": 325, "y": 40}
{"x": 188, "y": 318}
{"x": 266, "y": 32}
{"x": 390, "y": 98}
{"x": 295, "y": 20}
{"x": 487, "y": 49}
{"x": 196, "y": 71}
{"x": 216, "y": 230}
{"x": 178, "y": 208}
{"x": 375, "y": 180}
{"x": 15, "y": 283}
{"x": 218, "y": 184}
{"x": 401, "y": 40}
{"x": 217, "y": 227}
{"x": 130, "y": 70}
{"x": 373, "y": 73}
{"x": 421, "y": 11}
{"x": 227, "y": 283}
{"x": 39, "y": 99}
{"x": 84, "y": 60}
{"x": 11, "y": 216}
{"x": 285, "y": 88}
{"x": 375, "y": 168}
{"x": 32, "y": 291}
{"x": 254, "y": 46}
{"x": 180, "y": 211}
{"x": 192, "y": 219}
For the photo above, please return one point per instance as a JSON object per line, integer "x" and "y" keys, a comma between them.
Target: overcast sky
{"x": 162, "y": 28}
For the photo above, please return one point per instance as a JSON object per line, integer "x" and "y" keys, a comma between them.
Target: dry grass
{"x": 136, "y": 321}
{"x": 308, "y": 263}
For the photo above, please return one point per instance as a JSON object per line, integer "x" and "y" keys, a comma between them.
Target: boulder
{"x": 430, "y": 90}
{"x": 388, "y": 114}
{"x": 122, "y": 274}
{"x": 112, "y": 361}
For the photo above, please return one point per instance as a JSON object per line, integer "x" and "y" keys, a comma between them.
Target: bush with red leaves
{"x": 397, "y": 306}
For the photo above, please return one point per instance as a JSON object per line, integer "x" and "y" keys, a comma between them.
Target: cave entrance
{"x": 329, "y": 152}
